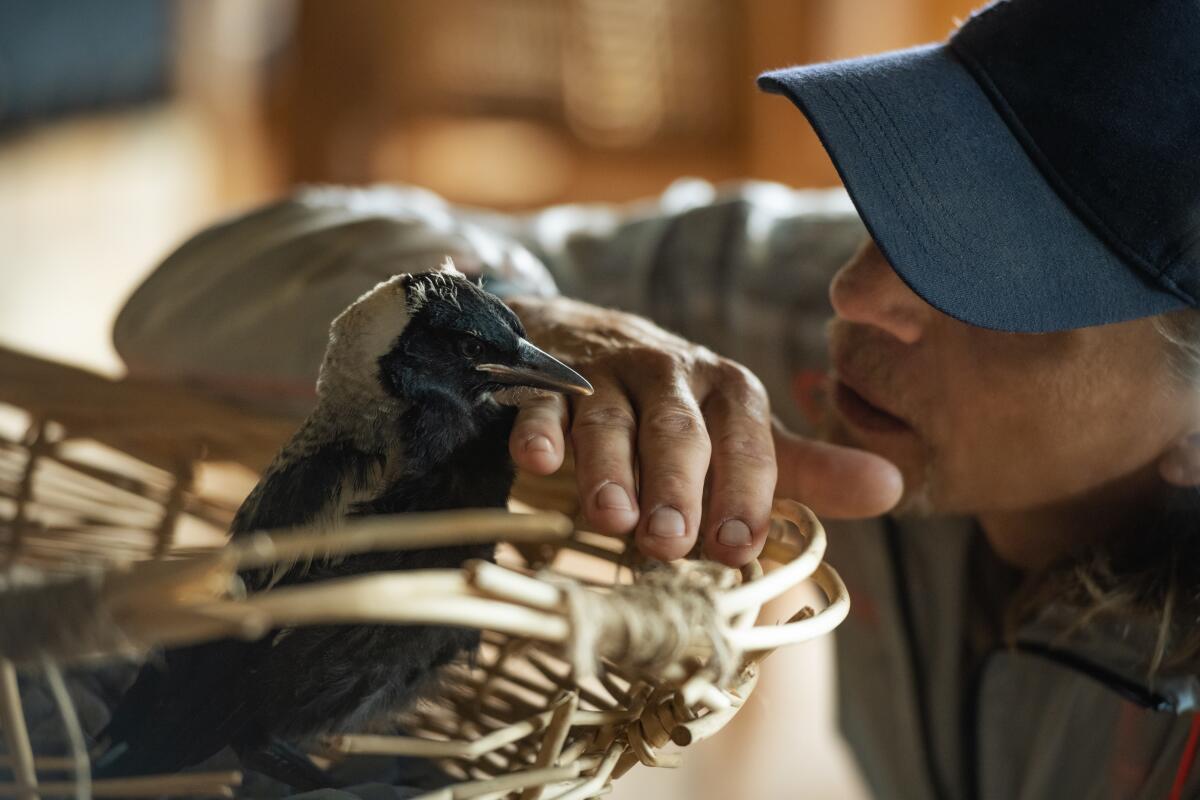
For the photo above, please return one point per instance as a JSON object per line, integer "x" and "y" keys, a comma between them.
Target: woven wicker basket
{"x": 593, "y": 661}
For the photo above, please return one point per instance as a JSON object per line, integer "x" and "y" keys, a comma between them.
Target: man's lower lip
{"x": 861, "y": 414}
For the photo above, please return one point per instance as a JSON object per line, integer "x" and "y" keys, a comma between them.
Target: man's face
{"x": 984, "y": 421}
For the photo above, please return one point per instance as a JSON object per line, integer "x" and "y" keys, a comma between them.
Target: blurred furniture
{"x": 528, "y": 102}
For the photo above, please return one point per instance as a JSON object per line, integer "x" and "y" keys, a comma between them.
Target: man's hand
{"x": 676, "y": 441}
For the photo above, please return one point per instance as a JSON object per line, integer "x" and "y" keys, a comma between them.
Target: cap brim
{"x": 954, "y": 202}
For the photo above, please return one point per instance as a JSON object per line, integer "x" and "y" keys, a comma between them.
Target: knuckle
{"x": 747, "y": 449}
{"x": 739, "y": 376}
{"x": 674, "y": 420}
{"x": 538, "y": 406}
{"x": 653, "y": 361}
{"x": 599, "y": 419}
{"x": 743, "y": 392}
{"x": 671, "y": 483}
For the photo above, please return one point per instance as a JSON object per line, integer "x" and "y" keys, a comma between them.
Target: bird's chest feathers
{"x": 448, "y": 462}
{"x": 419, "y": 462}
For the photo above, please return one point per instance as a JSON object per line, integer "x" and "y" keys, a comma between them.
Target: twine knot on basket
{"x": 666, "y": 616}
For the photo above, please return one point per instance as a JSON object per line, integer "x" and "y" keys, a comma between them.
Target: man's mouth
{"x": 861, "y": 413}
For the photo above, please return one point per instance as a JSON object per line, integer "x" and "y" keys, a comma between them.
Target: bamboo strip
{"x": 74, "y": 731}
{"x": 575, "y": 750}
{"x": 133, "y": 414}
{"x": 77, "y": 507}
{"x": 599, "y": 779}
{"x": 37, "y": 445}
{"x": 778, "y": 581}
{"x": 42, "y": 763}
{"x": 648, "y": 754}
{"x": 188, "y": 784}
{"x": 501, "y": 707}
{"x": 92, "y": 538}
{"x": 555, "y": 739}
{"x": 436, "y": 794}
{"x": 538, "y": 660}
{"x": 98, "y": 481}
{"x": 593, "y": 550}
{"x": 381, "y": 598}
{"x": 164, "y": 533}
{"x": 699, "y": 689}
{"x": 546, "y": 690}
{"x": 401, "y": 532}
{"x": 16, "y": 735}
{"x": 501, "y": 582}
{"x": 58, "y": 484}
{"x": 770, "y": 637}
{"x": 409, "y": 746}
{"x": 605, "y": 676}
{"x": 505, "y": 783}
{"x": 368, "y": 744}
{"x": 752, "y": 571}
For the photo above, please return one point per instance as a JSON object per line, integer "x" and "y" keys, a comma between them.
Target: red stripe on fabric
{"x": 1186, "y": 760}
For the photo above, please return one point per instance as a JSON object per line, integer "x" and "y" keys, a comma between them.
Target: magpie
{"x": 414, "y": 410}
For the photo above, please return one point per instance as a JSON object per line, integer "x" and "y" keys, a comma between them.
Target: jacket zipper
{"x": 915, "y": 662}
{"x": 970, "y": 724}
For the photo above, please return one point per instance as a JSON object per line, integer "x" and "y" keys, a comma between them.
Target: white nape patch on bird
{"x": 362, "y": 333}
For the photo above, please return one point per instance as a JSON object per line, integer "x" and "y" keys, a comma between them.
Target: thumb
{"x": 536, "y": 443}
{"x": 834, "y": 481}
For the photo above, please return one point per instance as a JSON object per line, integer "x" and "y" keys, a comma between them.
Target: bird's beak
{"x": 538, "y": 370}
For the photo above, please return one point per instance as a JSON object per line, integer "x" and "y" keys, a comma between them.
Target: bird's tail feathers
{"x": 287, "y": 764}
{"x": 123, "y": 759}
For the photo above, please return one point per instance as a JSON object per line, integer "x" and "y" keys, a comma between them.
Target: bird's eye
{"x": 470, "y": 348}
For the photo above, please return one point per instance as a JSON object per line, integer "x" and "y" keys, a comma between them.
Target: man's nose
{"x": 868, "y": 291}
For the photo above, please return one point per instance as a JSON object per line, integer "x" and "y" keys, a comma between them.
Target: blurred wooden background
{"x": 527, "y": 102}
{"x": 505, "y": 103}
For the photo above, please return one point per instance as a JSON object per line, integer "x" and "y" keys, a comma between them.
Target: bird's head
{"x": 430, "y": 336}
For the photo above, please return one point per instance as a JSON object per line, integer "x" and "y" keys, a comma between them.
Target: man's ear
{"x": 1180, "y": 464}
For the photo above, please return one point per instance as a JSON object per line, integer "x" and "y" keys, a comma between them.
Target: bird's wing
{"x": 306, "y": 486}
{"x": 209, "y": 689}
{"x": 181, "y": 710}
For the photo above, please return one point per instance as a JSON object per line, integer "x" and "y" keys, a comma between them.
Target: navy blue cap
{"x": 1039, "y": 171}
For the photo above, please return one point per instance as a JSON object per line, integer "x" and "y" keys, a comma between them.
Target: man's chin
{"x": 914, "y": 504}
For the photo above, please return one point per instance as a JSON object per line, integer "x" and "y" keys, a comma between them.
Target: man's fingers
{"x": 743, "y": 471}
{"x": 673, "y": 455}
{"x": 536, "y": 443}
{"x": 835, "y": 482}
{"x": 603, "y": 432}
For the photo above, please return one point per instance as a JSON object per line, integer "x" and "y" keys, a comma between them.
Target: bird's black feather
{"x": 304, "y": 485}
{"x": 446, "y": 447}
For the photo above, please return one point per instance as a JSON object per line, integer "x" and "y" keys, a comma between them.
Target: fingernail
{"x": 667, "y": 522}
{"x": 734, "y": 533}
{"x": 613, "y": 497}
{"x": 538, "y": 444}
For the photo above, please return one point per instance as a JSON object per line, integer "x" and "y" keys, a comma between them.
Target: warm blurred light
{"x": 483, "y": 161}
